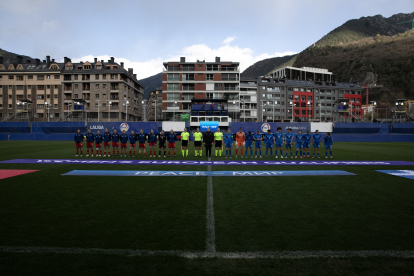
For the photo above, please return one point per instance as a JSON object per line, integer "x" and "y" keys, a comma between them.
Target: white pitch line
{"x": 210, "y": 233}
{"x": 224, "y": 255}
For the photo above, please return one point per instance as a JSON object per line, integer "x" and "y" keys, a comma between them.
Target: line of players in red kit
{"x": 114, "y": 139}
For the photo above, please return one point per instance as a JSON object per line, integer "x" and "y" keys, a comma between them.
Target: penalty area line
{"x": 224, "y": 255}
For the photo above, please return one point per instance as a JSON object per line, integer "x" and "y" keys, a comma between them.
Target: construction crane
{"x": 412, "y": 23}
{"x": 367, "y": 86}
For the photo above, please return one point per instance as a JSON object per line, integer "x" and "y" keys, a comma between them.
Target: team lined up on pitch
{"x": 207, "y": 139}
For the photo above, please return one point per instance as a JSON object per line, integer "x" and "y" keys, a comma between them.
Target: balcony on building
{"x": 209, "y": 107}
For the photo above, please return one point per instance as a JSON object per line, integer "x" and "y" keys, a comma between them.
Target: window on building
{"x": 98, "y": 67}
{"x": 358, "y": 100}
{"x": 114, "y": 76}
{"x": 69, "y": 67}
{"x": 104, "y": 85}
{"x": 97, "y": 85}
{"x": 40, "y": 106}
{"x": 55, "y": 96}
{"x": 75, "y": 77}
{"x": 210, "y": 77}
{"x": 10, "y": 87}
{"x": 48, "y": 96}
{"x": 188, "y": 77}
{"x": 11, "y": 77}
{"x": 75, "y": 96}
{"x": 48, "y": 87}
{"x": 87, "y": 67}
{"x": 173, "y": 86}
{"x": 10, "y": 96}
{"x": 19, "y": 87}
{"x": 173, "y": 77}
{"x": 97, "y": 77}
{"x": 263, "y": 95}
{"x": 40, "y": 87}
{"x": 309, "y": 98}
{"x": 40, "y": 97}
{"x": 303, "y": 98}
{"x": 296, "y": 97}
{"x": 57, "y": 77}
{"x": 104, "y": 76}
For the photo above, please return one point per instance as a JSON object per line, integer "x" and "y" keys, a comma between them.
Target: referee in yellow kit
{"x": 184, "y": 142}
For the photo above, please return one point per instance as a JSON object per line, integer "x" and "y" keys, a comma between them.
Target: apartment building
{"x": 154, "y": 106}
{"x": 32, "y": 90}
{"x": 183, "y": 81}
{"x": 248, "y": 100}
{"x": 109, "y": 91}
{"x": 296, "y": 100}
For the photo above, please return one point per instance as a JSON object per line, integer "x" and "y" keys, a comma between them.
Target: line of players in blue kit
{"x": 280, "y": 140}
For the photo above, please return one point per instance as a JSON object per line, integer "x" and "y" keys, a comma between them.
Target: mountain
{"x": 151, "y": 83}
{"x": 384, "y": 60}
{"x": 262, "y": 67}
{"x": 12, "y": 57}
{"x": 357, "y": 29}
{"x": 368, "y": 50}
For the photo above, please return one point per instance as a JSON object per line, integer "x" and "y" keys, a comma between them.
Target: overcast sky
{"x": 143, "y": 34}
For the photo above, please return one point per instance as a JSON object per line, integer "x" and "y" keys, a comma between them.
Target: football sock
{"x": 144, "y": 153}
{"x": 151, "y": 152}
{"x": 291, "y": 154}
{"x": 104, "y": 152}
{"x": 220, "y": 152}
{"x": 251, "y": 153}
{"x": 81, "y": 152}
{"x": 247, "y": 152}
{"x": 76, "y": 152}
{"x": 241, "y": 152}
{"x": 271, "y": 153}
{"x": 87, "y": 151}
{"x": 331, "y": 153}
{"x": 134, "y": 152}
{"x": 318, "y": 154}
{"x": 195, "y": 152}
{"x": 216, "y": 152}
{"x": 186, "y": 152}
{"x": 159, "y": 152}
{"x": 201, "y": 153}
{"x": 281, "y": 152}
{"x": 260, "y": 153}
{"x": 182, "y": 152}
{"x": 266, "y": 153}
{"x": 227, "y": 152}
{"x": 326, "y": 153}
{"x": 165, "y": 152}
{"x": 300, "y": 153}
{"x": 255, "y": 152}
{"x": 92, "y": 151}
{"x": 237, "y": 151}
{"x": 286, "y": 153}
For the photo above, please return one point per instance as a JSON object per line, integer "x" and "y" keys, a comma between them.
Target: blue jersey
{"x": 171, "y": 138}
{"x": 107, "y": 137}
{"x": 269, "y": 138}
{"x": 307, "y": 138}
{"x": 141, "y": 137}
{"x": 98, "y": 138}
{"x": 115, "y": 137}
{"x": 316, "y": 138}
{"x": 249, "y": 139}
{"x": 288, "y": 137}
{"x": 132, "y": 139}
{"x": 299, "y": 138}
{"x": 124, "y": 138}
{"x": 257, "y": 138}
{"x": 78, "y": 138}
{"x": 279, "y": 137}
{"x": 152, "y": 138}
{"x": 228, "y": 138}
{"x": 328, "y": 141}
{"x": 90, "y": 138}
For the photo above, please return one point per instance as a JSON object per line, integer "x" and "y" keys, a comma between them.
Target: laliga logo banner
{"x": 265, "y": 127}
{"x": 212, "y": 125}
{"x": 124, "y": 126}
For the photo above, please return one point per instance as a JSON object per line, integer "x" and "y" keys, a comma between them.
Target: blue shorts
{"x": 229, "y": 144}
{"x": 316, "y": 145}
{"x": 288, "y": 145}
{"x": 328, "y": 147}
{"x": 279, "y": 145}
{"x": 269, "y": 145}
{"x": 258, "y": 145}
{"x": 306, "y": 145}
{"x": 299, "y": 146}
{"x": 249, "y": 145}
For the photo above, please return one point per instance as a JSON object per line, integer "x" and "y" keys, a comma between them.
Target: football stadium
{"x": 192, "y": 213}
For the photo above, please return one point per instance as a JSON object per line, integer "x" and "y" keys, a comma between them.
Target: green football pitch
{"x": 52, "y": 224}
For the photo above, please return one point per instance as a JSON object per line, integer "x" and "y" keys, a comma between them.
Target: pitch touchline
{"x": 210, "y": 233}
{"x": 205, "y": 254}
